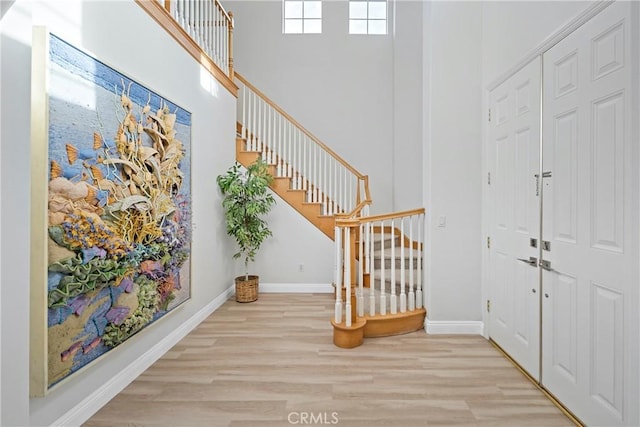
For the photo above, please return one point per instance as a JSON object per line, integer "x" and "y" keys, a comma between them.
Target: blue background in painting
{"x": 78, "y": 63}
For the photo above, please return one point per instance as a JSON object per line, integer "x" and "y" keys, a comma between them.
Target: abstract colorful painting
{"x": 118, "y": 209}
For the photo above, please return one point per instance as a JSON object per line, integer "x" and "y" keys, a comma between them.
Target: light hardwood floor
{"x": 272, "y": 363}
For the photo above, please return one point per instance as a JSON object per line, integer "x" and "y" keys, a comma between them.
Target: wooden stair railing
{"x": 364, "y": 256}
{"x": 310, "y": 176}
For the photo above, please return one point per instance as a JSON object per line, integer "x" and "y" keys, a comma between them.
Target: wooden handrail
{"x": 353, "y": 222}
{"x": 299, "y": 126}
{"x": 340, "y": 222}
{"x": 354, "y": 213}
{"x": 228, "y": 15}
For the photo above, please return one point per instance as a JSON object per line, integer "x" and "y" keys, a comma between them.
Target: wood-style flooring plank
{"x": 273, "y": 363}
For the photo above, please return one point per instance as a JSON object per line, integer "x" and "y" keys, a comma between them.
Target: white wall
{"x": 294, "y": 242}
{"x": 452, "y": 162}
{"x": 511, "y": 29}
{"x": 407, "y": 105}
{"x": 122, "y": 35}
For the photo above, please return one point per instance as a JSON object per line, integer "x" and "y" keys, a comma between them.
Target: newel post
{"x": 349, "y": 246}
{"x": 350, "y": 333}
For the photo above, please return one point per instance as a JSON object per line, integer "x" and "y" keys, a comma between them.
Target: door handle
{"x": 532, "y": 261}
{"x": 546, "y": 265}
{"x": 545, "y": 174}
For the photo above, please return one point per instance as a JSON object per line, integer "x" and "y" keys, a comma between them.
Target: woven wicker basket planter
{"x": 246, "y": 290}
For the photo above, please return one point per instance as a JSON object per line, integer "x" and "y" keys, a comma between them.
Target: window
{"x": 368, "y": 17}
{"x": 302, "y": 17}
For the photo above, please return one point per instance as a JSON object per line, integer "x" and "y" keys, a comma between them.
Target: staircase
{"x": 378, "y": 259}
{"x": 283, "y": 186}
{"x": 379, "y": 269}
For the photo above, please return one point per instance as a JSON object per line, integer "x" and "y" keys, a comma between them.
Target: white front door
{"x": 514, "y": 160}
{"x": 590, "y": 218}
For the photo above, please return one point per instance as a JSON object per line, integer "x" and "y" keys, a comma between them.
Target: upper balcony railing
{"x": 210, "y": 26}
{"x": 203, "y": 28}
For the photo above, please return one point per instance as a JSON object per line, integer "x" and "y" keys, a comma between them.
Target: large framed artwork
{"x": 111, "y": 209}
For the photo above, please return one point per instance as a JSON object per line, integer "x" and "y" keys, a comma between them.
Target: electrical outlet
{"x": 300, "y": 268}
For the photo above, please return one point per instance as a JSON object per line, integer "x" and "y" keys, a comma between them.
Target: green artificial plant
{"x": 246, "y": 200}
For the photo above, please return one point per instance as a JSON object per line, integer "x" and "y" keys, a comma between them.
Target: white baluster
{"x": 244, "y": 112}
{"x": 367, "y": 255}
{"x": 403, "y": 296}
{"x": 372, "y": 283}
{"x": 342, "y": 189}
{"x": 252, "y": 126}
{"x": 360, "y": 274}
{"x": 338, "y": 276}
{"x": 209, "y": 17}
{"x": 323, "y": 180}
{"x": 256, "y": 118}
{"x": 272, "y": 127}
{"x": 296, "y": 159}
{"x": 218, "y": 46}
{"x": 204, "y": 31}
{"x": 331, "y": 186}
{"x": 188, "y": 17}
{"x": 265, "y": 131}
{"x": 301, "y": 160}
{"x": 289, "y": 148}
{"x": 383, "y": 287}
{"x": 412, "y": 296}
{"x": 225, "y": 42}
{"x": 326, "y": 189}
{"x": 215, "y": 50}
{"x": 305, "y": 163}
{"x": 316, "y": 174}
{"x": 294, "y": 154}
{"x": 279, "y": 144}
{"x": 221, "y": 37}
{"x": 196, "y": 22}
{"x": 393, "y": 302}
{"x": 213, "y": 24}
{"x": 419, "y": 297}
{"x": 312, "y": 171}
{"x": 177, "y": 12}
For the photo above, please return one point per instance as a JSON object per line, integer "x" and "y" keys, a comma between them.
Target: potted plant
{"x": 246, "y": 200}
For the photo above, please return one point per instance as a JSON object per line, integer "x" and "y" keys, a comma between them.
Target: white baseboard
{"x": 436, "y": 327}
{"x": 305, "y": 288}
{"x": 80, "y": 413}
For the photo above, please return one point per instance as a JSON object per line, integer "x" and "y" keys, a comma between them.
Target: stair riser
{"x": 377, "y": 263}
{"x": 377, "y": 244}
